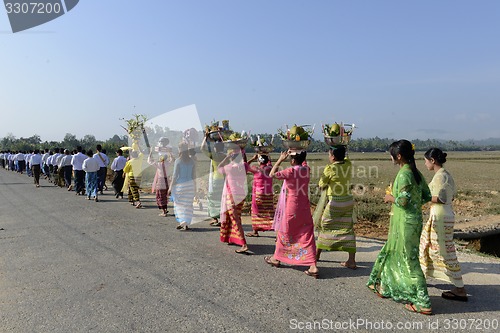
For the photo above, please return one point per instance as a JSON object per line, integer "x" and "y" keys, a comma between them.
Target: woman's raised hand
{"x": 283, "y": 156}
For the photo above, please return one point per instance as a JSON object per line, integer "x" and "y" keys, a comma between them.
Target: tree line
{"x": 70, "y": 141}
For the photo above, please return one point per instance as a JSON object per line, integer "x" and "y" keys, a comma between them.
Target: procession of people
{"x": 413, "y": 252}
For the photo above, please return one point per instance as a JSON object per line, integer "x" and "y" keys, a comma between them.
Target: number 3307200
{"x": 33, "y": 8}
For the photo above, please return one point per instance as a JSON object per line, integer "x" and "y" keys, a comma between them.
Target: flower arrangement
{"x": 135, "y": 126}
{"x": 135, "y": 129}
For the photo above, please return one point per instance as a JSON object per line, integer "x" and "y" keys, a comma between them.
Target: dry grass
{"x": 475, "y": 173}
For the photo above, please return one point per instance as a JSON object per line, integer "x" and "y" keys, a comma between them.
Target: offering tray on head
{"x": 240, "y": 143}
{"x": 296, "y": 145}
{"x": 336, "y": 134}
{"x": 263, "y": 150}
{"x": 296, "y": 138}
{"x": 219, "y": 135}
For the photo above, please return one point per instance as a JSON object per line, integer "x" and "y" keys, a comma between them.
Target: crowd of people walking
{"x": 412, "y": 253}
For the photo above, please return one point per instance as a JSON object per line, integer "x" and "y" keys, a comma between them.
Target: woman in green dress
{"x": 336, "y": 223}
{"x": 396, "y": 272}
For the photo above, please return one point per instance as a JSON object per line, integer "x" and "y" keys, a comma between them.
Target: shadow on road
{"x": 482, "y": 298}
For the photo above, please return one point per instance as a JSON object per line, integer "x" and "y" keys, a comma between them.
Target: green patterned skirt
{"x": 396, "y": 273}
{"x": 336, "y": 226}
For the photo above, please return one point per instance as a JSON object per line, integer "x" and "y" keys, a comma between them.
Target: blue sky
{"x": 398, "y": 69}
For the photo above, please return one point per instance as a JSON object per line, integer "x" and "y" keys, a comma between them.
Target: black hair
{"x": 299, "y": 158}
{"x": 98, "y": 147}
{"x": 265, "y": 159}
{"x": 437, "y": 155}
{"x": 78, "y": 148}
{"x": 405, "y": 149}
{"x": 119, "y": 152}
{"x": 89, "y": 153}
{"x": 339, "y": 152}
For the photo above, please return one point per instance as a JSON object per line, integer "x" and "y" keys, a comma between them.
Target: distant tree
{"x": 70, "y": 141}
{"x": 114, "y": 143}
{"x": 89, "y": 141}
{"x": 8, "y": 141}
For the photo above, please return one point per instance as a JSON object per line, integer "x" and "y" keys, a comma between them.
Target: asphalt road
{"x": 72, "y": 265}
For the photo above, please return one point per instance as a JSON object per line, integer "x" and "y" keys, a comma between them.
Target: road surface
{"x": 72, "y": 265}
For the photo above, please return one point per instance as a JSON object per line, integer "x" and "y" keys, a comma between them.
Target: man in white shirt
{"x": 54, "y": 165}
{"x": 27, "y": 160}
{"x": 77, "y": 163}
{"x": 45, "y": 165}
{"x": 35, "y": 162}
{"x": 67, "y": 169}
{"x": 103, "y": 161}
{"x": 50, "y": 164}
{"x": 11, "y": 161}
{"x": 117, "y": 167}
{"x": 91, "y": 167}
{"x": 21, "y": 164}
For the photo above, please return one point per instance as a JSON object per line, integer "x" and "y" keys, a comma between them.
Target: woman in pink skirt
{"x": 293, "y": 222}
{"x": 262, "y": 196}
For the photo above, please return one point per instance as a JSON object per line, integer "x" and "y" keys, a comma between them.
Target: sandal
{"x": 215, "y": 224}
{"x": 139, "y": 205}
{"x": 313, "y": 274}
{"x": 268, "y": 260}
{"x": 375, "y": 290}
{"x": 242, "y": 252}
{"x": 344, "y": 264}
{"x": 415, "y": 308}
{"x": 252, "y": 234}
{"x": 452, "y": 296}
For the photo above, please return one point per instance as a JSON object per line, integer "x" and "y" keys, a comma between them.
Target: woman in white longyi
{"x": 438, "y": 257}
